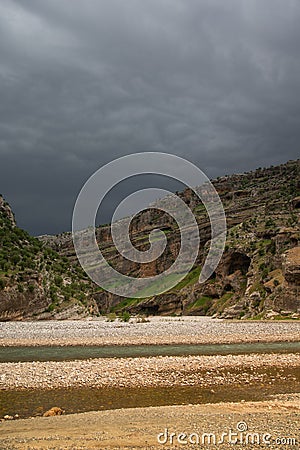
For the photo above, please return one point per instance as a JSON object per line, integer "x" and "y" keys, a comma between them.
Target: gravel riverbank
{"x": 159, "y": 330}
{"x": 153, "y": 371}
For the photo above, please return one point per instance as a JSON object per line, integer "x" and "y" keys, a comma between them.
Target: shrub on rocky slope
{"x": 35, "y": 281}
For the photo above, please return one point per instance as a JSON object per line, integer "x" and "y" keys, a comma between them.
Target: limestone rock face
{"x": 291, "y": 265}
{"x": 6, "y": 212}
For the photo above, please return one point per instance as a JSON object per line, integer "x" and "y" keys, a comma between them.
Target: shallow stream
{"x": 68, "y": 353}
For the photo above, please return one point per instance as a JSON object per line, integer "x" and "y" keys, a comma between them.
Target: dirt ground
{"x": 276, "y": 423}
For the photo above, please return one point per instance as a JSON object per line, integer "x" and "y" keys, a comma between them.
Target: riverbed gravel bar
{"x": 154, "y": 371}
{"x": 158, "y": 330}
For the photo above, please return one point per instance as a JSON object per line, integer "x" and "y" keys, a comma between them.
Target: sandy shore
{"x": 276, "y": 421}
{"x": 159, "y": 330}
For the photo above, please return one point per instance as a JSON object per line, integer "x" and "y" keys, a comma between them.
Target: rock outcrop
{"x": 291, "y": 266}
{"x": 54, "y": 411}
{"x": 6, "y": 212}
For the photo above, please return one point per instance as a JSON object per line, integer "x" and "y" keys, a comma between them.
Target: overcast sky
{"x": 85, "y": 81}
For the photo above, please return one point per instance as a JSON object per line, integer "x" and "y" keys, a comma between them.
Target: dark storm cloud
{"x": 83, "y": 82}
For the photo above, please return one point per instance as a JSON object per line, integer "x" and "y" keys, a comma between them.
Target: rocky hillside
{"x": 259, "y": 274}
{"x": 35, "y": 281}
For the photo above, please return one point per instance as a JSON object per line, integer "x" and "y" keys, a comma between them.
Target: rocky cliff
{"x": 258, "y": 276}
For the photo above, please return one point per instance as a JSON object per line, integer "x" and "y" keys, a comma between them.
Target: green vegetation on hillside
{"x": 28, "y": 268}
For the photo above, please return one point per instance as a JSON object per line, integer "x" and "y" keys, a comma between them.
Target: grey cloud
{"x": 84, "y": 82}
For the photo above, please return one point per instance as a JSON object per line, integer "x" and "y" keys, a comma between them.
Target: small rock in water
{"x": 55, "y": 411}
